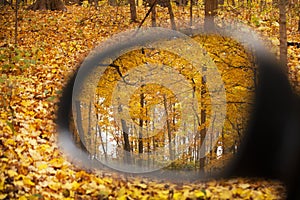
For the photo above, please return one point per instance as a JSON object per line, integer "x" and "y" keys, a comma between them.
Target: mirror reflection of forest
{"x": 156, "y": 133}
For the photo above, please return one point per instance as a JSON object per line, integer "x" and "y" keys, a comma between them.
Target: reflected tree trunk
{"x": 79, "y": 125}
{"x": 141, "y": 122}
{"x": 171, "y": 153}
{"x": 104, "y": 146}
{"x": 127, "y": 157}
{"x": 203, "y": 130}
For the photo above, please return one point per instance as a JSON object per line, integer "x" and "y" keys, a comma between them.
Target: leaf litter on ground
{"x": 50, "y": 47}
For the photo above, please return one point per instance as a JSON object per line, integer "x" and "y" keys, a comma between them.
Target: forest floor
{"x": 50, "y": 46}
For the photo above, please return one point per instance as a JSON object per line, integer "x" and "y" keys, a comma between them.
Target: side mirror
{"x": 271, "y": 145}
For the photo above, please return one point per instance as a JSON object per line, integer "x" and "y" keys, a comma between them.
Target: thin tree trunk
{"x": 223, "y": 147}
{"x": 125, "y": 135}
{"x": 170, "y": 10}
{"x": 196, "y": 138}
{"x": 210, "y": 11}
{"x": 148, "y": 13}
{"x": 174, "y": 125}
{"x": 282, "y": 32}
{"x": 153, "y": 15}
{"x": 169, "y": 130}
{"x": 197, "y": 123}
{"x": 212, "y": 137}
{"x": 89, "y": 135}
{"x": 133, "y": 14}
{"x": 126, "y": 144}
{"x": 203, "y": 130}
{"x": 191, "y": 13}
{"x": 148, "y": 140}
{"x": 102, "y": 142}
{"x": 127, "y": 157}
{"x": 140, "y": 139}
{"x": 153, "y": 138}
{"x": 78, "y": 117}
{"x": 203, "y": 141}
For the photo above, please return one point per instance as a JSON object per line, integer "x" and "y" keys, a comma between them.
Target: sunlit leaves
{"x": 50, "y": 46}
{"x": 237, "y": 73}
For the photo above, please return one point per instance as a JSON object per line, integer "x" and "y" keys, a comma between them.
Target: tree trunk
{"x": 153, "y": 15}
{"x": 79, "y": 142}
{"x": 103, "y": 145}
{"x": 191, "y": 13}
{"x": 170, "y": 10}
{"x": 48, "y": 5}
{"x": 127, "y": 157}
{"x": 282, "y": 32}
{"x": 171, "y": 153}
{"x": 203, "y": 130}
{"x": 141, "y": 144}
{"x": 210, "y": 13}
{"x": 133, "y": 14}
{"x": 202, "y": 141}
{"x": 125, "y": 135}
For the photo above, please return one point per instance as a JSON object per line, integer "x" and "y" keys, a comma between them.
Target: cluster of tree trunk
{"x": 210, "y": 7}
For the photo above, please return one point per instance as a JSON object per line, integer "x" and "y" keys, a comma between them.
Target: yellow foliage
{"x": 11, "y": 173}
{"x": 22, "y": 198}
{"x": 50, "y": 45}
{"x": 2, "y": 181}
{"x": 56, "y": 162}
{"x": 27, "y": 181}
{"x": 54, "y": 186}
{"x": 3, "y": 196}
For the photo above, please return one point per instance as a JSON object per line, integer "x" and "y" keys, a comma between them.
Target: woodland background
{"x": 42, "y": 44}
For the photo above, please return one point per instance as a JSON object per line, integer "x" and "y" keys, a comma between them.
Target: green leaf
{"x": 17, "y": 58}
{"x": 52, "y": 98}
{"x": 10, "y": 125}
